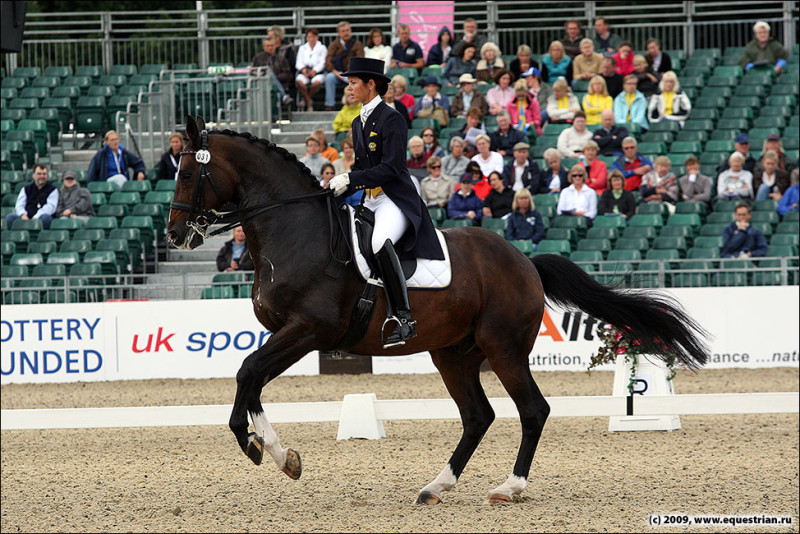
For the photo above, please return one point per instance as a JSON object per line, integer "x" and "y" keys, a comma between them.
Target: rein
{"x": 233, "y": 218}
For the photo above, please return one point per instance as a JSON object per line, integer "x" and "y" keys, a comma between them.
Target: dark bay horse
{"x": 491, "y": 311}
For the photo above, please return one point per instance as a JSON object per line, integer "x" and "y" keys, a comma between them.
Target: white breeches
{"x": 390, "y": 222}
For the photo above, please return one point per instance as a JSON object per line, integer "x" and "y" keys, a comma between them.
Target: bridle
{"x": 233, "y": 218}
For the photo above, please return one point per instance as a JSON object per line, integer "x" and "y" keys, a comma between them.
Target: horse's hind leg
{"x": 515, "y": 375}
{"x": 461, "y": 375}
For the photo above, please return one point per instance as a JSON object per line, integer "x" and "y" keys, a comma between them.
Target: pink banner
{"x": 425, "y": 20}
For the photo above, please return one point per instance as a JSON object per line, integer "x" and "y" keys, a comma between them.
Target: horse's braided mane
{"x": 288, "y": 156}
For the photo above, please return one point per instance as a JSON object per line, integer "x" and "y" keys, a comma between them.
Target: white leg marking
{"x": 513, "y": 486}
{"x": 271, "y": 441}
{"x": 445, "y": 481}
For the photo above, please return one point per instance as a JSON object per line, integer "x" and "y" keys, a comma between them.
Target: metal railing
{"x": 208, "y": 36}
{"x": 660, "y": 274}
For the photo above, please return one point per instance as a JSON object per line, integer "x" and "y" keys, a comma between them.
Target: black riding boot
{"x": 397, "y": 309}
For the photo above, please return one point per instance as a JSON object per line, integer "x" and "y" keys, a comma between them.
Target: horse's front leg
{"x": 283, "y": 349}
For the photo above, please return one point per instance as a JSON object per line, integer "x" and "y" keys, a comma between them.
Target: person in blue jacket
{"x": 440, "y": 52}
{"x": 740, "y": 239}
{"x": 380, "y": 170}
{"x": 524, "y": 222}
{"x": 112, "y": 161}
{"x": 465, "y": 204}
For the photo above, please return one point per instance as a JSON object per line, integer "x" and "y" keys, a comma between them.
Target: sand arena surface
{"x": 195, "y": 479}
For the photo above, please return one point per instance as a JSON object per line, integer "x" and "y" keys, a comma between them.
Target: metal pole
{"x": 202, "y": 40}
{"x": 394, "y": 19}
{"x": 789, "y": 28}
{"x": 491, "y": 20}
{"x": 688, "y": 37}
{"x": 108, "y": 53}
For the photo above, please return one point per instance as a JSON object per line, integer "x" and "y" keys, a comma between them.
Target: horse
{"x": 491, "y": 311}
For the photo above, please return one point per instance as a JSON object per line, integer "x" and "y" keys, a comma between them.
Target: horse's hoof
{"x": 498, "y": 498}
{"x": 293, "y": 466}
{"x": 255, "y": 448}
{"x": 426, "y": 497}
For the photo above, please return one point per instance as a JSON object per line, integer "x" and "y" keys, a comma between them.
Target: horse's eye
{"x": 186, "y": 176}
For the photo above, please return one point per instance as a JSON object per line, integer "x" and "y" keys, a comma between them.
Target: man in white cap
{"x": 467, "y": 97}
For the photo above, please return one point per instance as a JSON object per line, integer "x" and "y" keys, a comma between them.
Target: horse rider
{"x": 401, "y": 218}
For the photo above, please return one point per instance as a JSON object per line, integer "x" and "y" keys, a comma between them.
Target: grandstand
{"x": 56, "y": 111}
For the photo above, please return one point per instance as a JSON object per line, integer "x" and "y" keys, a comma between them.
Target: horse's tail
{"x": 656, "y": 320}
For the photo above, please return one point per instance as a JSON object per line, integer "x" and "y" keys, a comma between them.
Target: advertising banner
{"x": 425, "y": 19}
{"x": 750, "y": 327}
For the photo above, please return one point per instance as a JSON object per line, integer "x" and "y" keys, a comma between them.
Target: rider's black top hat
{"x": 365, "y": 67}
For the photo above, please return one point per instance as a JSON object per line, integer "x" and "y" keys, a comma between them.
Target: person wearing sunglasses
{"x": 578, "y": 200}
{"x": 431, "y": 143}
{"x": 436, "y": 188}
{"x": 632, "y": 164}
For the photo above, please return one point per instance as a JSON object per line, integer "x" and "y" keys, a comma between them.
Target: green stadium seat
{"x": 153, "y": 68}
{"x": 792, "y": 240}
{"x": 684, "y": 231}
{"x": 80, "y": 246}
{"x": 614, "y": 273}
{"x": 52, "y": 122}
{"x": 790, "y": 89}
{"x": 112, "y": 210}
{"x": 788, "y": 101}
{"x": 119, "y": 247}
{"x": 101, "y": 223}
{"x": 555, "y": 246}
{"x": 710, "y": 101}
{"x": 788, "y": 227}
{"x": 593, "y": 256}
{"x": 105, "y": 258}
{"x": 39, "y": 93}
{"x": 81, "y": 82}
{"x": 28, "y": 73}
{"x": 93, "y": 72}
{"x": 15, "y": 83}
{"x": 456, "y": 223}
{"x": 217, "y": 292}
{"x": 744, "y": 102}
{"x": 599, "y": 232}
{"x": 146, "y": 227}
{"x": 124, "y": 70}
{"x": 699, "y": 124}
{"x": 722, "y": 81}
{"x": 725, "y": 205}
{"x": 724, "y": 92}
{"x": 438, "y": 215}
{"x": 23, "y": 258}
{"x": 658, "y": 137}
{"x": 733, "y": 273}
{"x": 579, "y": 224}
{"x": 604, "y": 246}
{"x": 106, "y": 188}
{"x": 523, "y": 245}
{"x": 685, "y": 219}
{"x": 494, "y": 224}
{"x": 687, "y": 278}
{"x": 21, "y": 297}
{"x": 609, "y": 221}
{"x": 764, "y": 216}
{"x": 647, "y": 220}
{"x": 677, "y": 243}
{"x": 632, "y": 243}
{"x": 707, "y": 253}
{"x": 106, "y": 91}
{"x": 90, "y": 114}
{"x": 43, "y": 248}
{"x": 752, "y": 90}
{"x": 126, "y": 198}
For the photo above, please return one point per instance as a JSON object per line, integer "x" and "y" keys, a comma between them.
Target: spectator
{"x": 616, "y": 200}
{"x": 310, "y": 66}
{"x": 694, "y": 187}
{"x": 609, "y": 136}
{"x": 572, "y": 140}
{"x": 328, "y": 152}
{"x": 498, "y": 202}
{"x": 504, "y": 139}
{"x": 470, "y": 36}
{"x": 479, "y": 182}
{"x": 632, "y": 164}
{"x": 464, "y": 203}
{"x": 501, "y": 94}
{"x": 234, "y": 256}
{"x": 609, "y": 74}
{"x": 658, "y": 60}
{"x": 624, "y": 59}
{"x": 660, "y": 185}
{"x": 764, "y": 50}
{"x": 433, "y": 104}
{"x": 671, "y": 103}
{"x": 791, "y": 197}
{"x": 646, "y": 78}
{"x": 556, "y": 175}
{"x": 440, "y": 52}
{"x": 400, "y": 85}
{"x": 536, "y": 88}
{"x": 391, "y": 101}
{"x": 466, "y": 97}
{"x": 489, "y": 63}
{"x": 470, "y": 131}
{"x": 605, "y": 42}
{"x": 562, "y": 104}
{"x": 460, "y": 63}
{"x": 280, "y": 70}
{"x": 742, "y": 146}
{"x": 597, "y": 172}
{"x": 376, "y": 48}
{"x": 556, "y": 64}
{"x": 285, "y": 47}
{"x": 168, "y": 165}
{"x": 735, "y": 183}
{"x": 596, "y": 100}
{"x": 573, "y": 41}
{"x": 74, "y": 201}
{"x": 523, "y": 172}
{"x": 773, "y": 143}
{"x": 770, "y": 182}
{"x": 345, "y": 163}
{"x": 37, "y": 200}
{"x": 522, "y": 62}
{"x": 431, "y": 142}
{"x": 524, "y": 110}
{"x": 112, "y": 161}
{"x": 588, "y": 63}
{"x": 455, "y": 163}
{"x": 436, "y": 188}
{"x": 631, "y": 104}
{"x": 740, "y": 240}
{"x": 418, "y": 158}
{"x": 339, "y": 53}
{"x": 313, "y": 159}
{"x": 343, "y": 122}
{"x": 487, "y": 159}
{"x": 578, "y": 200}
{"x": 406, "y": 53}
{"x": 525, "y": 223}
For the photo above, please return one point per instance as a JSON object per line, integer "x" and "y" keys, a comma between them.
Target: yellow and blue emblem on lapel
{"x": 373, "y": 134}
{"x": 372, "y": 146}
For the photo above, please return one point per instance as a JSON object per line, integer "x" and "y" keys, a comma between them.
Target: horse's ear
{"x": 192, "y": 131}
{"x": 201, "y": 123}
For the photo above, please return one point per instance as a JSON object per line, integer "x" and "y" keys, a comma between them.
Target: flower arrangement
{"x": 616, "y": 342}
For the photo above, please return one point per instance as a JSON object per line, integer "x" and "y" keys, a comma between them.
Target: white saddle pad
{"x": 430, "y": 274}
